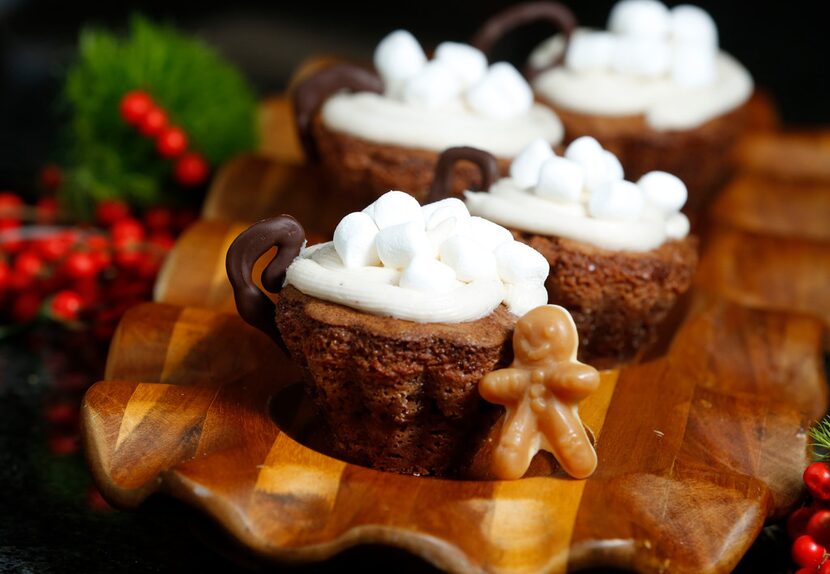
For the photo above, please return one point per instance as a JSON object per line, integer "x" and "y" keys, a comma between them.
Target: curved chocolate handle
{"x": 441, "y": 187}
{"x": 287, "y": 235}
{"x": 313, "y": 91}
{"x": 513, "y": 17}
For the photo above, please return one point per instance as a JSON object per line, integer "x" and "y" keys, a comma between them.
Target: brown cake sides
{"x": 396, "y": 395}
{"x": 617, "y": 299}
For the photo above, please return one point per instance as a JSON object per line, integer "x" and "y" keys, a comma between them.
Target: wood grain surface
{"x": 698, "y": 447}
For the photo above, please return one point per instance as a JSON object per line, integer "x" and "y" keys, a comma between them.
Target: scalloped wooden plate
{"x": 697, "y": 447}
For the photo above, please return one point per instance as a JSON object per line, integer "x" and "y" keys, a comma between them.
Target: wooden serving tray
{"x": 698, "y": 446}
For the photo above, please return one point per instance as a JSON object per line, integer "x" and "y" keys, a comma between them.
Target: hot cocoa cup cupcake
{"x": 653, "y": 88}
{"x": 394, "y": 323}
{"x": 375, "y": 131}
{"x": 620, "y": 253}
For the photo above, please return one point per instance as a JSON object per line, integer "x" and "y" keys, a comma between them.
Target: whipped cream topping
{"x": 430, "y": 264}
{"x": 454, "y": 99}
{"x": 652, "y": 61}
{"x": 583, "y": 196}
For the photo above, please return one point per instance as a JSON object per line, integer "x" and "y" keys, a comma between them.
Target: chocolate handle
{"x": 313, "y": 91}
{"x": 442, "y": 182}
{"x": 513, "y": 17}
{"x": 287, "y": 235}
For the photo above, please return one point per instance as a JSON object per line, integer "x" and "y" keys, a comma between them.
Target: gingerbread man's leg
{"x": 516, "y": 449}
{"x": 567, "y": 438}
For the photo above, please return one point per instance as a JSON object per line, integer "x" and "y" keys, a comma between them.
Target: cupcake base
{"x": 699, "y": 156}
{"x": 366, "y": 170}
{"x": 617, "y": 299}
{"x": 396, "y": 395}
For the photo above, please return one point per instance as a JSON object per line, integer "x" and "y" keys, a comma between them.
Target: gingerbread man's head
{"x": 545, "y": 334}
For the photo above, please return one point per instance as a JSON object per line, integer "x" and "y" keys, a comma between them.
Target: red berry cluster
{"x": 89, "y": 274}
{"x": 809, "y": 526}
{"x": 139, "y": 110}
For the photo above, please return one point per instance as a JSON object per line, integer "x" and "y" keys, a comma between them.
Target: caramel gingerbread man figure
{"x": 541, "y": 391}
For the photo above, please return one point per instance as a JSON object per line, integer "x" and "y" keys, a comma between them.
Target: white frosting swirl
{"x": 434, "y": 264}
{"x": 455, "y": 99}
{"x": 670, "y": 99}
{"x": 383, "y": 120}
{"x": 611, "y": 214}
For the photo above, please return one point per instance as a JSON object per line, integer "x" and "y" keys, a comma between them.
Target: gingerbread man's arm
{"x": 572, "y": 381}
{"x": 504, "y": 385}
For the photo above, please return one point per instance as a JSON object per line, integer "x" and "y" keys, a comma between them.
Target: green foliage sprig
{"x": 820, "y": 436}
{"x": 199, "y": 91}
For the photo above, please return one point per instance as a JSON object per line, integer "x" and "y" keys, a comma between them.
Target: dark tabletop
{"x": 51, "y": 517}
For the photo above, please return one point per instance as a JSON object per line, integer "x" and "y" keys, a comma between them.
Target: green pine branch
{"x": 200, "y": 92}
{"x": 820, "y": 436}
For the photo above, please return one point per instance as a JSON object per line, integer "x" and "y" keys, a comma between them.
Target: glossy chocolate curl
{"x": 309, "y": 96}
{"x": 287, "y": 235}
{"x": 442, "y": 183}
{"x": 497, "y": 26}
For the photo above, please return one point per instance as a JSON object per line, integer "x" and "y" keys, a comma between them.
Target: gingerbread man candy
{"x": 541, "y": 391}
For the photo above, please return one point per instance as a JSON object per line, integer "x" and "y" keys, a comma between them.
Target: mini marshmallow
{"x": 616, "y": 200}
{"x": 398, "y": 245}
{"x": 560, "y": 179}
{"x": 468, "y": 63}
{"x": 640, "y": 18}
{"x": 444, "y": 230}
{"x": 693, "y": 25}
{"x": 590, "y": 51}
{"x": 526, "y": 166}
{"x": 394, "y": 207}
{"x": 486, "y": 233}
{"x": 468, "y": 259}
{"x": 646, "y": 57}
{"x": 518, "y": 263}
{"x": 613, "y": 167}
{"x": 433, "y": 86}
{"x": 436, "y": 212}
{"x": 588, "y": 153}
{"x": 354, "y": 240}
{"x": 694, "y": 65}
{"x": 677, "y": 226}
{"x": 398, "y": 57}
{"x": 501, "y": 94}
{"x": 664, "y": 191}
{"x": 427, "y": 275}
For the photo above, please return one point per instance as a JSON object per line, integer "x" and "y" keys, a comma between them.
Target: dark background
{"x": 50, "y": 520}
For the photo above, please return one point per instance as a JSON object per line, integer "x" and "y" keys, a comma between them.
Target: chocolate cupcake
{"x": 620, "y": 253}
{"x": 378, "y": 131}
{"x": 393, "y": 324}
{"x": 654, "y": 89}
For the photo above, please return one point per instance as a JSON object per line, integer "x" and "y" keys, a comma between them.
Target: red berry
{"x": 97, "y": 242}
{"x": 102, "y": 259}
{"x": 819, "y": 527}
{"x": 110, "y": 211}
{"x": 65, "y": 305}
{"x": 797, "y": 521}
{"x": 51, "y": 177}
{"x": 817, "y": 479}
{"x": 171, "y": 142}
{"x": 4, "y": 274}
{"x": 805, "y": 571}
{"x": 25, "y": 307}
{"x": 53, "y": 248}
{"x": 153, "y": 122}
{"x": 134, "y": 106}
{"x": 824, "y": 569}
{"x": 63, "y": 444}
{"x": 162, "y": 241}
{"x": 806, "y": 552}
{"x": 62, "y": 413}
{"x": 191, "y": 170}
{"x": 80, "y": 265}
{"x": 128, "y": 259}
{"x": 158, "y": 218}
{"x": 184, "y": 218}
{"x": 28, "y": 264}
{"x": 95, "y": 501}
{"x": 127, "y": 231}
{"x": 10, "y": 205}
{"x": 46, "y": 209}
{"x": 8, "y": 223}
